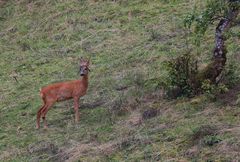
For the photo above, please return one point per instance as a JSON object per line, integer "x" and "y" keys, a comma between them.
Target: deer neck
{"x": 85, "y": 80}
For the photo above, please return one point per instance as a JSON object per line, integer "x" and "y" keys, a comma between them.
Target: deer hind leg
{"x": 76, "y": 106}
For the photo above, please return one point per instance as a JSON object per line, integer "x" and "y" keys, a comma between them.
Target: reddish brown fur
{"x": 61, "y": 92}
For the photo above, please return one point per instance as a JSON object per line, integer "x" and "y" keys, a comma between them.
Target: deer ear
{"x": 81, "y": 59}
{"x": 88, "y": 61}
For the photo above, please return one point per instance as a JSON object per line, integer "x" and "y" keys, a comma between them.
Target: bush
{"x": 184, "y": 79}
{"x": 212, "y": 90}
{"x": 231, "y": 74}
{"x": 182, "y": 71}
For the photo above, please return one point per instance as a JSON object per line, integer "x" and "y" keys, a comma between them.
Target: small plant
{"x": 211, "y": 140}
{"x": 181, "y": 73}
{"x": 211, "y": 90}
{"x": 155, "y": 36}
{"x": 238, "y": 99}
{"x": 231, "y": 74}
{"x": 199, "y": 133}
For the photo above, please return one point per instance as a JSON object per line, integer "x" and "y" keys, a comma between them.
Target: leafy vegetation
{"x": 184, "y": 74}
{"x": 128, "y": 42}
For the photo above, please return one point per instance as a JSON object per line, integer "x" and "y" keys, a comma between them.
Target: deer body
{"x": 63, "y": 91}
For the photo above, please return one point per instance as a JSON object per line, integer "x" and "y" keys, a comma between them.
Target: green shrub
{"x": 182, "y": 78}
{"x": 212, "y": 90}
{"x": 181, "y": 72}
{"x": 211, "y": 140}
{"x": 231, "y": 74}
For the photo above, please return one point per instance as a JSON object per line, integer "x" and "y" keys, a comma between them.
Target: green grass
{"x": 41, "y": 43}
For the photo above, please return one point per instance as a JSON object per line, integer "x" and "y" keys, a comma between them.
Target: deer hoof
{"x": 37, "y": 126}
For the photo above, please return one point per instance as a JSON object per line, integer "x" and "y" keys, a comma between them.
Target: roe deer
{"x": 64, "y": 91}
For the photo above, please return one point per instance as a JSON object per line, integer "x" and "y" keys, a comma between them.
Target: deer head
{"x": 84, "y": 67}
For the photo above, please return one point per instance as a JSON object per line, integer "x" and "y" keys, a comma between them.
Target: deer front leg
{"x": 39, "y": 113}
{"x": 44, "y": 117}
{"x": 76, "y": 106}
{"x": 44, "y": 112}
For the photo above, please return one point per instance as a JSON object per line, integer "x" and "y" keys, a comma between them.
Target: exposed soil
{"x": 230, "y": 97}
{"x": 93, "y": 105}
{"x": 42, "y": 148}
{"x": 94, "y": 148}
{"x": 134, "y": 119}
{"x": 205, "y": 130}
{"x": 147, "y": 114}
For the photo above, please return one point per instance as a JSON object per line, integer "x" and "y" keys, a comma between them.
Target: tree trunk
{"x": 214, "y": 69}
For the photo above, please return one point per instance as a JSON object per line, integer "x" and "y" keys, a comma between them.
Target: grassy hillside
{"x": 41, "y": 42}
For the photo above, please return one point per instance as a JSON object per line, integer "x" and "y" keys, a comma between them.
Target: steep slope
{"x": 41, "y": 43}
